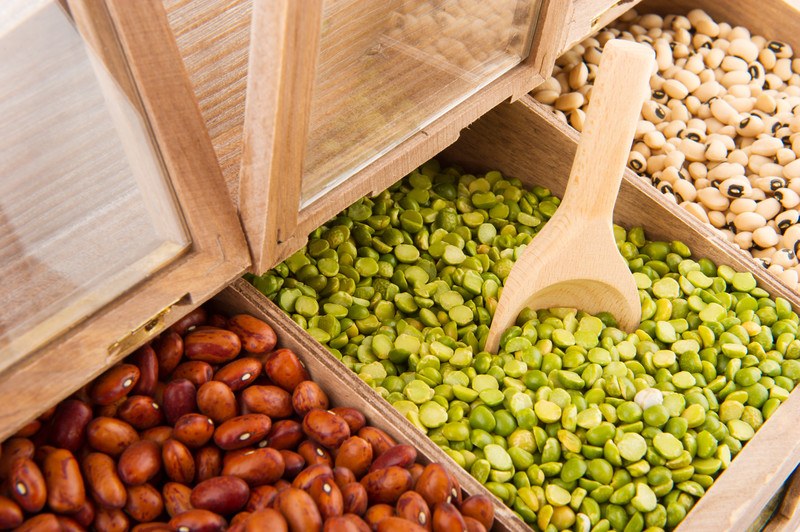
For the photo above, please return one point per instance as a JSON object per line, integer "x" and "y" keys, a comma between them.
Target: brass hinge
{"x": 148, "y": 329}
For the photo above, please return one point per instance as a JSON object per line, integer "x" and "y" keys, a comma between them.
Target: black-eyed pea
{"x": 749, "y": 221}
{"x": 785, "y": 156}
{"x": 713, "y": 199}
{"x": 789, "y": 277}
{"x": 716, "y": 151}
{"x": 570, "y": 101}
{"x": 686, "y": 191}
{"x": 744, "y": 239}
{"x": 696, "y": 210}
{"x": 784, "y": 257}
{"x": 546, "y": 96}
{"x": 655, "y": 164}
{"x": 768, "y": 208}
{"x": 788, "y": 198}
{"x": 736, "y": 187}
{"x": 717, "y": 219}
{"x": 765, "y": 237}
{"x": 740, "y": 205}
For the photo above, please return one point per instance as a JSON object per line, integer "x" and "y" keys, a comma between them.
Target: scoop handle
{"x": 620, "y": 89}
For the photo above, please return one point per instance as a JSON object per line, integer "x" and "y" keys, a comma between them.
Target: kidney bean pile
{"x": 211, "y": 428}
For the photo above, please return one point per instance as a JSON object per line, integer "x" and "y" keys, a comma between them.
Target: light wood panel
{"x": 526, "y": 141}
{"x": 588, "y": 16}
{"x": 213, "y": 38}
{"x": 218, "y": 253}
{"x": 344, "y": 388}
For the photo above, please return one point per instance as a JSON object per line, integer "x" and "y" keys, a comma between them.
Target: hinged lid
{"x": 114, "y": 219}
{"x": 345, "y": 97}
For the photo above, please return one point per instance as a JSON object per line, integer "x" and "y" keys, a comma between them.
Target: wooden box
{"x": 258, "y": 127}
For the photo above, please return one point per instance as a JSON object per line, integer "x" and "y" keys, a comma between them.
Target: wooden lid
{"x": 114, "y": 218}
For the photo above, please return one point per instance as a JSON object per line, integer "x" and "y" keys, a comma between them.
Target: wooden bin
{"x": 542, "y": 155}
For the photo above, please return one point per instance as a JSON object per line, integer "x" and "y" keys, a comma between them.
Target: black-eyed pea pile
{"x": 721, "y": 132}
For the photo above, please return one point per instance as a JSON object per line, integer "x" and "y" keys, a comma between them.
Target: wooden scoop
{"x": 574, "y": 261}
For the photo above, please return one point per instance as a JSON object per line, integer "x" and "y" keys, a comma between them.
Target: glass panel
{"x": 86, "y": 210}
{"x": 388, "y": 69}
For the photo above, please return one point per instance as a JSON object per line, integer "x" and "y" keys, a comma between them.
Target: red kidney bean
{"x": 100, "y": 474}
{"x": 242, "y": 431}
{"x": 11, "y": 515}
{"x": 285, "y": 369}
{"x": 208, "y": 463}
{"x": 194, "y": 371}
{"x": 110, "y": 436}
{"x": 169, "y": 351}
{"x": 65, "y": 489}
{"x": 27, "y": 485}
{"x": 180, "y": 397}
{"x": 223, "y": 495}
{"x": 212, "y": 345}
{"x": 193, "y": 319}
{"x": 256, "y": 466}
{"x": 240, "y": 373}
{"x": 216, "y": 400}
{"x": 114, "y": 384}
{"x": 326, "y": 428}
{"x": 355, "y": 419}
{"x": 307, "y": 396}
{"x": 178, "y": 461}
{"x": 193, "y": 430}
{"x": 177, "y": 498}
{"x": 146, "y": 360}
{"x": 198, "y": 521}
{"x": 139, "y": 463}
{"x": 144, "y": 503}
{"x": 68, "y": 430}
{"x": 399, "y": 455}
{"x": 257, "y": 336}
{"x": 285, "y": 434}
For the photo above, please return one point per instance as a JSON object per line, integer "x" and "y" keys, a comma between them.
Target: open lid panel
{"x": 114, "y": 218}
{"x": 345, "y": 97}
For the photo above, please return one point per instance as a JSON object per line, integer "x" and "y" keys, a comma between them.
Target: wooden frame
{"x": 542, "y": 155}
{"x": 136, "y": 34}
{"x": 269, "y": 187}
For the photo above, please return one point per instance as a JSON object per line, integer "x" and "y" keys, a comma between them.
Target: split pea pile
{"x": 574, "y": 424}
{"x": 721, "y": 132}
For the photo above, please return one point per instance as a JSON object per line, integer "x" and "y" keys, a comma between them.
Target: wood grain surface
{"x": 218, "y": 253}
{"x": 542, "y": 156}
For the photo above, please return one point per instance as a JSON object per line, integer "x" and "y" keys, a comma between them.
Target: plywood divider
{"x": 525, "y": 140}
{"x": 344, "y": 388}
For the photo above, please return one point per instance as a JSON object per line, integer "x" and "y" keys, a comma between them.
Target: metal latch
{"x": 148, "y": 329}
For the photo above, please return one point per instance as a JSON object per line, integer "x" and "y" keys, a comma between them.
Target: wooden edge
{"x": 345, "y": 388}
{"x": 95, "y": 26}
{"x": 218, "y": 254}
{"x": 587, "y": 17}
{"x": 498, "y": 139}
{"x": 787, "y": 518}
{"x": 284, "y": 46}
{"x": 547, "y": 39}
